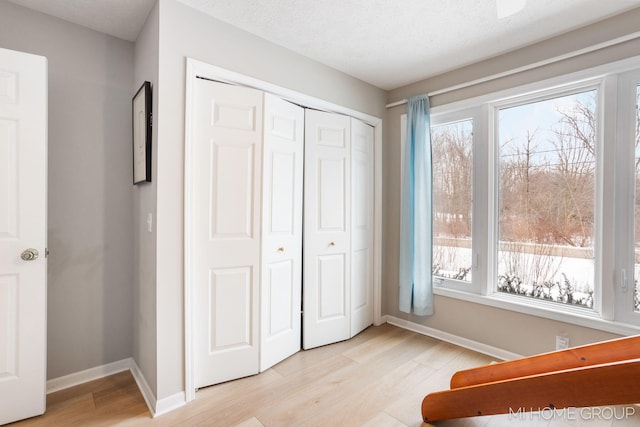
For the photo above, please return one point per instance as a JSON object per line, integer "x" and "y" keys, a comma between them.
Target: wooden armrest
{"x": 607, "y": 384}
{"x": 587, "y": 355}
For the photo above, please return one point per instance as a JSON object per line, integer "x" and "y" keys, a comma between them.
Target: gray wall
{"x": 184, "y": 32}
{"x": 144, "y": 203}
{"x": 90, "y": 267}
{"x": 508, "y": 330}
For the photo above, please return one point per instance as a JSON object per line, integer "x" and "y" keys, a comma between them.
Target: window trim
{"x": 613, "y": 204}
{"x": 522, "y": 305}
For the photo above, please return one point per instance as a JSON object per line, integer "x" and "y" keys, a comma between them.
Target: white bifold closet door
{"x": 338, "y": 231}
{"x": 362, "y": 137}
{"x": 246, "y": 230}
{"x": 225, "y": 240}
{"x": 327, "y": 224}
{"x": 281, "y": 230}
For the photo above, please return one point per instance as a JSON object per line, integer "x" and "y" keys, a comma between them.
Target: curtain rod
{"x": 528, "y": 67}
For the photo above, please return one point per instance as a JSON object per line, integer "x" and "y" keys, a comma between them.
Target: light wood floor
{"x": 378, "y": 378}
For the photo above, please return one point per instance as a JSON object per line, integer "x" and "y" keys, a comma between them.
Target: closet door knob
{"x": 332, "y": 244}
{"x": 280, "y": 249}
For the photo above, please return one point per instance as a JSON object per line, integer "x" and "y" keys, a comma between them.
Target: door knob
{"x": 29, "y": 254}
{"x": 281, "y": 249}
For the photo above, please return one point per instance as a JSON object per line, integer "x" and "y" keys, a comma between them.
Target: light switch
{"x": 149, "y": 222}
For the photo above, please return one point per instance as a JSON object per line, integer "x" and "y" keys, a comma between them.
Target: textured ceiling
{"x": 388, "y": 43}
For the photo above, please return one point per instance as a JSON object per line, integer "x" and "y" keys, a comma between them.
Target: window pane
{"x": 636, "y": 294}
{"x": 452, "y": 171}
{"x": 547, "y": 199}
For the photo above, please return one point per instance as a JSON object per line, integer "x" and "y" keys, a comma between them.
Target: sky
{"x": 539, "y": 117}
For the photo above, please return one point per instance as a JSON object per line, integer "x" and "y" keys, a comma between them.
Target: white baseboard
{"x": 453, "y": 339}
{"x": 170, "y": 403}
{"x": 60, "y": 383}
{"x": 143, "y": 386}
{"x": 156, "y": 407}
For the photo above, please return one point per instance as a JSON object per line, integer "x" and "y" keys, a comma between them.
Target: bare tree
{"x": 452, "y": 174}
{"x": 547, "y": 189}
{"x": 517, "y": 217}
{"x": 575, "y": 140}
{"x": 452, "y": 168}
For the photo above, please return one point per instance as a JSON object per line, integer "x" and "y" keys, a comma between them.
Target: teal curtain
{"x": 416, "y": 235}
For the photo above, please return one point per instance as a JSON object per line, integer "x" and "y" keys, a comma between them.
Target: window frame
{"x": 627, "y": 86}
{"x": 599, "y": 237}
{"x": 475, "y": 115}
{"x": 612, "y": 311}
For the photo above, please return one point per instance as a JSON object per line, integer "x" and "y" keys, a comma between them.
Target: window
{"x": 547, "y": 207}
{"x": 536, "y": 198}
{"x": 452, "y": 151}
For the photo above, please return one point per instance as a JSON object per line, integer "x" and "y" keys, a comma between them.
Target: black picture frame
{"x": 141, "y": 123}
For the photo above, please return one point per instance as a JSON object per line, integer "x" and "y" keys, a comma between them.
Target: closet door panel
{"x": 282, "y": 230}
{"x": 332, "y": 188}
{"x": 332, "y": 289}
{"x": 231, "y": 212}
{"x": 225, "y": 231}
{"x": 327, "y": 194}
{"x": 361, "y": 226}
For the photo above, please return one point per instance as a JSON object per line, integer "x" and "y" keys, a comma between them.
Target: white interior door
{"x": 281, "y": 282}
{"x": 327, "y": 218}
{"x": 23, "y": 227}
{"x": 224, "y": 233}
{"x": 361, "y": 226}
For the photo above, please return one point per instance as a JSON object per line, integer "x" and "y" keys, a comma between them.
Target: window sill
{"x": 573, "y": 315}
